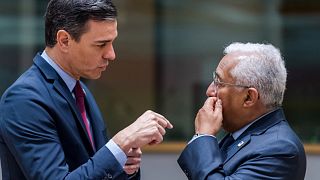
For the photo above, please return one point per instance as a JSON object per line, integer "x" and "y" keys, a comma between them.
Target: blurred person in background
{"x": 50, "y": 124}
{"x": 245, "y": 100}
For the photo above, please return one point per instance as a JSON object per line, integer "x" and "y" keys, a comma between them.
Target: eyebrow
{"x": 217, "y": 75}
{"x": 102, "y": 41}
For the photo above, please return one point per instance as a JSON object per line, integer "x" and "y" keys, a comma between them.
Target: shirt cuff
{"x": 196, "y": 136}
{"x": 117, "y": 152}
{"x": 132, "y": 176}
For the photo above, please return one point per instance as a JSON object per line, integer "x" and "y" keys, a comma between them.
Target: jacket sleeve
{"x": 135, "y": 176}
{"x": 201, "y": 157}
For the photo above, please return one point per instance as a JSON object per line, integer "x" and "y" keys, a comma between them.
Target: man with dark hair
{"x": 50, "y": 124}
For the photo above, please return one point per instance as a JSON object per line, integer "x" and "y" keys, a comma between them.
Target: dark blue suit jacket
{"x": 268, "y": 149}
{"x": 42, "y": 135}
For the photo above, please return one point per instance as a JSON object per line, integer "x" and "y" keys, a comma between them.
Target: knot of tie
{"x": 78, "y": 91}
{"x": 79, "y": 95}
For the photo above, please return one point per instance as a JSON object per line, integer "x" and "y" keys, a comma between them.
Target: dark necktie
{"x": 224, "y": 147}
{"x": 79, "y": 94}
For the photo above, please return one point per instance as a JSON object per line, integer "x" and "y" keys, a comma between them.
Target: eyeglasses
{"x": 218, "y": 83}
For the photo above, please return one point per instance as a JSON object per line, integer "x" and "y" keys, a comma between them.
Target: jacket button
{"x": 109, "y": 176}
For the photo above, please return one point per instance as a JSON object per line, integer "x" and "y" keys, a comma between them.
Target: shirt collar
{"x": 70, "y": 81}
{"x": 236, "y": 134}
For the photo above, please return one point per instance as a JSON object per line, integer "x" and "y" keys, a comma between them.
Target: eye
{"x": 219, "y": 83}
{"x": 101, "y": 45}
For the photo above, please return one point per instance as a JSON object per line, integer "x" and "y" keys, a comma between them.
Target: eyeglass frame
{"x": 217, "y": 82}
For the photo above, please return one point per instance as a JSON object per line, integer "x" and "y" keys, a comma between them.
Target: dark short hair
{"x": 72, "y": 16}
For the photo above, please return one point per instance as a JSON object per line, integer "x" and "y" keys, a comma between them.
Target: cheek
{"x": 223, "y": 95}
{"x": 227, "y": 102}
{"x": 88, "y": 59}
{"x": 86, "y": 52}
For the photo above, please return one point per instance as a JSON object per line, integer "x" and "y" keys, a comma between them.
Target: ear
{"x": 251, "y": 98}
{"x": 63, "y": 40}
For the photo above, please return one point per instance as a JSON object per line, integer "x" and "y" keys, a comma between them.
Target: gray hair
{"x": 262, "y": 67}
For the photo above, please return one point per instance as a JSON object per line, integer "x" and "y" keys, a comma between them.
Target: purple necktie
{"x": 79, "y": 94}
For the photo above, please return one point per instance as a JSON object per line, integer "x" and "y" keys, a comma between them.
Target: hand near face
{"x": 209, "y": 117}
{"x": 149, "y": 128}
{"x": 133, "y": 163}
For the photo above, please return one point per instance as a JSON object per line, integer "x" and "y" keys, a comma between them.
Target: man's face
{"x": 231, "y": 96}
{"x": 91, "y": 55}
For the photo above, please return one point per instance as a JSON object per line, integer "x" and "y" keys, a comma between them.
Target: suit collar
{"x": 52, "y": 76}
{"x": 45, "y": 68}
{"x": 238, "y": 133}
{"x": 256, "y": 128}
{"x": 69, "y": 80}
{"x": 265, "y": 122}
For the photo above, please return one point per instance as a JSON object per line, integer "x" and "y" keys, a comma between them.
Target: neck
{"x": 59, "y": 59}
{"x": 250, "y": 115}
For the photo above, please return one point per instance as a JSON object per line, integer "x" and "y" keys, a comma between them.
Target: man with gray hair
{"x": 245, "y": 100}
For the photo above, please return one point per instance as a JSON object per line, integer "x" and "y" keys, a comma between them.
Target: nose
{"x": 212, "y": 90}
{"x": 109, "y": 53}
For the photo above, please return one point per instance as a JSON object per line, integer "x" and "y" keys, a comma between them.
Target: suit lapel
{"x": 60, "y": 86}
{"x": 236, "y": 146}
{"x": 64, "y": 91}
{"x": 93, "y": 124}
{"x": 97, "y": 123}
{"x": 257, "y": 128}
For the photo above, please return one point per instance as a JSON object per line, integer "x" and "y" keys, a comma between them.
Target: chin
{"x": 96, "y": 77}
{"x": 93, "y": 77}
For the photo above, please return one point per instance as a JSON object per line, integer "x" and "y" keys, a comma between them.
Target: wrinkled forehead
{"x": 226, "y": 64}
{"x": 229, "y": 61}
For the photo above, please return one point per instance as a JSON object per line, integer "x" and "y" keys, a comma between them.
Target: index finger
{"x": 165, "y": 123}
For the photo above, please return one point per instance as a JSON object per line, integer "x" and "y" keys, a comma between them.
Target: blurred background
{"x": 166, "y": 53}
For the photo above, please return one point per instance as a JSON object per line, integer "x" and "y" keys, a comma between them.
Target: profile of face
{"x": 232, "y": 97}
{"x": 90, "y": 56}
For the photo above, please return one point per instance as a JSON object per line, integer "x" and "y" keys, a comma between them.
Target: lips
{"x": 104, "y": 65}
